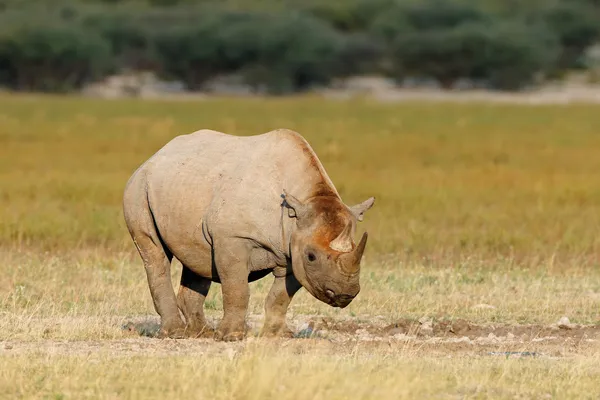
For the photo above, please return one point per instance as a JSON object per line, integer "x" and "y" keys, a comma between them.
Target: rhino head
{"x": 325, "y": 258}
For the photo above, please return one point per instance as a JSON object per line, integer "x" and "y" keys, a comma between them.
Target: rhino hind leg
{"x": 190, "y": 299}
{"x": 155, "y": 256}
{"x": 276, "y": 305}
{"x": 157, "y": 263}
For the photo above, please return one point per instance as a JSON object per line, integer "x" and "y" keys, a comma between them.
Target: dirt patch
{"x": 463, "y": 328}
{"x": 424, "y": 337}
{"x": 357, "y": 329}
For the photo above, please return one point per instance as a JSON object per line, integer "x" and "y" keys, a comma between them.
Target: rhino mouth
{"x": 338, "y": 300}
{"x": 332, "y": 299}
{"x": 324, "y": 294}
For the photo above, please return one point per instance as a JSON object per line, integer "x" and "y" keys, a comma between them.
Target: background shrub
{"x": 505, "y": 56}
{"x": 54, "y": 45}
{"x": 50, "y": 57}
{"x": 294, "y": 52}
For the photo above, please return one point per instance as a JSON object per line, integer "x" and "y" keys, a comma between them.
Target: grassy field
{"x": 487, "y": 217}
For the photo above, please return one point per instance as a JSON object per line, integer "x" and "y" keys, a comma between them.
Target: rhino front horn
{"x": 351, "y": 261}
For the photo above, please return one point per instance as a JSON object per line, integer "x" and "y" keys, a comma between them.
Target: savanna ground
{"x": 485, "y": 233}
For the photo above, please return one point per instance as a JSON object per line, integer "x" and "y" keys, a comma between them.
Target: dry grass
{"x": 87, "y": 296}
{"x": 263, "y": 373}
{"x": 453, "y": 181}
{"x": 476, "y": 204}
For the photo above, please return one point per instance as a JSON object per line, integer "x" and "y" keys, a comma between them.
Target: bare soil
{"x": 427, "y": 337}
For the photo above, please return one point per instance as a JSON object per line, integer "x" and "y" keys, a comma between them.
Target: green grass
{"x": 451, "y": 181}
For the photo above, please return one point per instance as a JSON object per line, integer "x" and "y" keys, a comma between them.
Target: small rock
{"x": 464, "y": 339}
{"x": 510, "y": 335}
{"x": 399, "y": 336}
{"x": 304, "y": 326}
{"x": 426, "y": 327}
{"x": 230, "y": 353}
{"x": 459, "y": 327}
{"x": 565, "y": 323}
{"x": 543, "y": 339}
{"x": 426, "y": 330}
{"x": 396, "y": 331}
{"x": 304, "y": 333}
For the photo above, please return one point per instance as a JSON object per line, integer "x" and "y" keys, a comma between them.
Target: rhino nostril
{"x": 330, "y": 294}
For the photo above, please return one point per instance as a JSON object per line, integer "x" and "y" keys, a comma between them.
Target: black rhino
{"x": 232, "y": 210}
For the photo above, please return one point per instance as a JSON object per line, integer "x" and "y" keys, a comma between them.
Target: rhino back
{"x": 208, "y": 184}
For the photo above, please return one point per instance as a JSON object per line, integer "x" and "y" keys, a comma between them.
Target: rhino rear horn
{"x": 343, "y": 243}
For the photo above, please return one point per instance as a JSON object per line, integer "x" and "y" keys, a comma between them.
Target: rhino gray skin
{"x": 232, "y": 210}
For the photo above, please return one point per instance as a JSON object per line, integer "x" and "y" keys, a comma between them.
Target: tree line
{"x": 293, "y": 45}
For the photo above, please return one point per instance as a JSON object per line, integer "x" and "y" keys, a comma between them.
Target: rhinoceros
{"x": 233, "y": 209}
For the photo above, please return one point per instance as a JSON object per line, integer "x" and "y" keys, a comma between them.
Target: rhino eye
{"x": 311, "y": 256}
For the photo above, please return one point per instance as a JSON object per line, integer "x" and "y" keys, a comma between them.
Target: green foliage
{"x": 577, "y": 25}
{"x": 217, "y": 43}
{"x": 291, "y": 46}
{"x": 50, "y": 57}
{"x": 440, "y": 14}
{"x": 127, "y": 35}
{"x": 513, "y": 54}
{"x": 280, "y": 52}
{"x": 506, "y": 56}
{"x": 294, "y": 51}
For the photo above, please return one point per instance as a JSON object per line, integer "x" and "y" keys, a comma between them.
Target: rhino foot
{"x": 277, "y": 332}
{"x": 229, "y": 337}
{"x": 171, "y": 333}
{"x": 231, "y": 330}
{"x": 230, "y": 333}
{"x": 199, "y": 332}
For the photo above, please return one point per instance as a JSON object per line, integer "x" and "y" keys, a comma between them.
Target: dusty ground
{"x": 426, "y": 337}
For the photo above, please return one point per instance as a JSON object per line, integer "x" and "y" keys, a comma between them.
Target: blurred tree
{"x": 295, "y": 44}
{"x": 577, "y": 24}
{"x": 294, "y": 52}
{"x": 50, "y": 57}
{"x": 217, "y": 43}
{"x": 507, "y": 56}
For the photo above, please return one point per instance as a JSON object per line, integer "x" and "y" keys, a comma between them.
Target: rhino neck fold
{"x": 286, "y": 226}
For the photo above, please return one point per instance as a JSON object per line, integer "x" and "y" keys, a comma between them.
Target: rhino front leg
{"x": 190, "y": 299}
{"x": 283, "y": 290}
{"x": 232, "y": 266}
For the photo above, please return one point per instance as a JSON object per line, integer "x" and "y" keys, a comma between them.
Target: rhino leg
{"x": 157, "y": 263}
{"x": 231, "y": 261}
{"x": 190, "y": 299}
{"x": 276, "y": 305}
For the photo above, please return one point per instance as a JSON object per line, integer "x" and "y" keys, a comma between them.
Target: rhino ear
{"x": 296, "y": 209}
{"x": 359, "y": 209}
